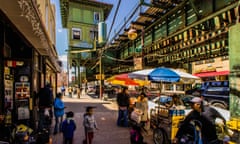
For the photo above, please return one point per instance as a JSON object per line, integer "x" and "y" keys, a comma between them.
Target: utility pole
{"x": 101, "y": 76}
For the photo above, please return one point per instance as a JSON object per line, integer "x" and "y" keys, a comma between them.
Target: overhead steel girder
{"x": 161, "y": 5}
{"x": 138, "y": 23}
{"x": 194, "y": 9}
{"x": 233, "y": 5}
{"x": 147, "y": 15}
{"x": 181, "y": 5}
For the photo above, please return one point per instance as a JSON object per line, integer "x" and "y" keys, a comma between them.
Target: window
{"x": 93, "y": 34}
{"x": 169, "y": 87}
{"x": 96, "y": 17}
{"x": 46, "y": 16}
{"x": 209, "y": 61}
{"x": 198, "y": 62}
{"x": 179, "y": 87}
{"x": 76, "y": 33}
{"x": 225, "y": 58}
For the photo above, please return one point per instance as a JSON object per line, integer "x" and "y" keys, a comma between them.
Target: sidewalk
{"x": 106, "y": 116}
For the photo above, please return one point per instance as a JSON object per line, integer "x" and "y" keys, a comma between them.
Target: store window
{"x": 76, "y": 33}
{"x": 169, "y": 87}
{"x": 179, "y": 87}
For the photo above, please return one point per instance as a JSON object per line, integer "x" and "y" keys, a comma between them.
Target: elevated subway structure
{"x": 174, "y": 34}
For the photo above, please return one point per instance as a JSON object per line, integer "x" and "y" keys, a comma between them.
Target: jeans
{"x": 58, "y": 124}
{"x": 122, "y": 118}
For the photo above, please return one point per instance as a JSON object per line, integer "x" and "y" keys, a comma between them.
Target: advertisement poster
{"x": 23, "y": 109}
{"x": 22, "y": 90}
{"x": 8, "y": 91}
{"x": 137, "y": 63}
{"x": 8, "y": 97}
{"x": 22, "y": 95}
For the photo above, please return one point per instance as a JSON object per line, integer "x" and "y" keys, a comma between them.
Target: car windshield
{"x": 164, "y": 100}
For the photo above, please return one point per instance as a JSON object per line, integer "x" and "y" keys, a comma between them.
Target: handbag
{"x": 136, "y": 115}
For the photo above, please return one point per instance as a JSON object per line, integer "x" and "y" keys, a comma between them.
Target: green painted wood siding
{"x": 84, "y": 14}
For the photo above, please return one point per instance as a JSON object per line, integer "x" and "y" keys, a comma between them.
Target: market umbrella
{"x": 122, "y": 79}
{"x": 162, "y": 74}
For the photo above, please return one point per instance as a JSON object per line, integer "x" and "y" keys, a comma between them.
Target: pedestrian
{"x": 79, "y": 91}
{"x": 176, "y": 101}
{"x": 58, "y": 112}
{"x": 123, "y": 105}
{"x": 45, "y": 103}
{"x": 216, "y": 119}
{"x": 63, "y": 90}
{"x": 208, "y": 134}
{"x": 89, "y": 124}
{"x": 142, "y": 104}
{"x": 187, "y": 129}
{"x": 70, "y": 90}
{"x": 211, "y": 113}
{"x": 68, "y": 128}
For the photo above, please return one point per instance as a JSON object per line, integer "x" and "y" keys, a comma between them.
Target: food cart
{"x": 165, "y": 123}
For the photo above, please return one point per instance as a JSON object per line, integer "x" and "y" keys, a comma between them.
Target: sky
{"x": 125, "y": 9}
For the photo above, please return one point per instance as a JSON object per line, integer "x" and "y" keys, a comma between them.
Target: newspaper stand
{"x": 165, "y": 123}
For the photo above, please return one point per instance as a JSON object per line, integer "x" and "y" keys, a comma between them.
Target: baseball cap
{"x": 196, "y": 100}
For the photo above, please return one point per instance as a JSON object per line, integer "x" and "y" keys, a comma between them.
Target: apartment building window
{"x": 46, "y": 16}
{"x": 209, "y": 61}
{"x": 198, "y": 62}
{"x": 76, "y": 33}
{"x": 93, "y": 34}
{"x": 225, "y": 58}
{"x": 96, "y": 17}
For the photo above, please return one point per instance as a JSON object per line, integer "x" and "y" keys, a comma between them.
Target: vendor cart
{"x": 165, "y": 123}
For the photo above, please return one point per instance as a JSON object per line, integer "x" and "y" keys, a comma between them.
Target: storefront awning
{"x": 211, "y": 74}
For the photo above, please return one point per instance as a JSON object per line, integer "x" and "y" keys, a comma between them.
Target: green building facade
{"x": 81, "y": 18}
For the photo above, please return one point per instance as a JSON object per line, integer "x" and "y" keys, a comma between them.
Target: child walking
{"x": 89, "y": 124}
{"x": 68, "y": 128}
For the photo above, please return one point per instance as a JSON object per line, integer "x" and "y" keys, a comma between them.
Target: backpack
{"x": 192, "y": 133}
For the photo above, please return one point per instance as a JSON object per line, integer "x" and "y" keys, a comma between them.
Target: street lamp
{"x": 132, "y": 34}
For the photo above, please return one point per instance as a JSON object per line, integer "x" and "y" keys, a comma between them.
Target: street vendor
{"x": 176, "y": 101}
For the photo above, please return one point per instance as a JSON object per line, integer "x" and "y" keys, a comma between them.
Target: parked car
{"x": 215, "y": 92}
{"x": 164, "y": 99}
{"x": 91, "y": 89}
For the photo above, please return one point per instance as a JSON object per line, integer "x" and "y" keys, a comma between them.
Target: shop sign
{"x": 137, "y": 63}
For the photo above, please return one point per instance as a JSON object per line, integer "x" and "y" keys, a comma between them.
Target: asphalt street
{"x": 106, "y": 117}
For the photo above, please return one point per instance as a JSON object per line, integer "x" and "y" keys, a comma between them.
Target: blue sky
{"x": 125, "y": 9}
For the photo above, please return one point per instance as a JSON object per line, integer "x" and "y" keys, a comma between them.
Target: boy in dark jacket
{"x": 68, "y": 128}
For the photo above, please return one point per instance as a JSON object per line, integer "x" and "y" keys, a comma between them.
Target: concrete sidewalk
{"x": 106, "y": 113}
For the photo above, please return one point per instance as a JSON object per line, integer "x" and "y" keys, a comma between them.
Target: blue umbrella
{"x": 162, "y": 74}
